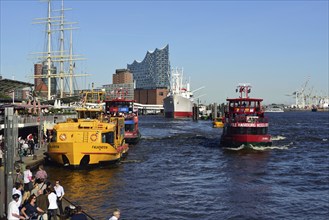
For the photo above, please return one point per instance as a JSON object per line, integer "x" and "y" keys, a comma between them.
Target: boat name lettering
{"x": 53, "y": 146}
{"x": 250, "y": 125}
{"x": 99, "y": 147}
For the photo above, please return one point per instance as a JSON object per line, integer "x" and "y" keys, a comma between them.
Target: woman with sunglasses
{"x": 30, "y": 210}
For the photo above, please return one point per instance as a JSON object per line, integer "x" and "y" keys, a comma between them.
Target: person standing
{"x": 27, "y": 179}
{"x": 31, "y": 210}
{"x": 52, "y": 208}
{"x": 79, "y": 215}
{"x": 43, "y": 203}
{"x": 116, "y": 215}
{"x": 41, "y": 174}
{"x": 13, "y": 211}
{"x": 1, "y": 153}
{"x": 18, "y": 190}
{"x": 60, "y": 193}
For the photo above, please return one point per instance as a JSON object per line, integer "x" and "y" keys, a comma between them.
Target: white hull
{"x": 274, "y": 110}
{"x": 176, "y": 106}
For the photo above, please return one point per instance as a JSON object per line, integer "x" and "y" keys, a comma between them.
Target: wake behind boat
{"x": 245, "y": 123}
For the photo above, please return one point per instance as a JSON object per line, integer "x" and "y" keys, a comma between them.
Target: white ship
{"x": 179, "y": 102}
{"x": 274, "y": 109}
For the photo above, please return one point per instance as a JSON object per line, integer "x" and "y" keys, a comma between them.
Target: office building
{"x": 152, "y": 76}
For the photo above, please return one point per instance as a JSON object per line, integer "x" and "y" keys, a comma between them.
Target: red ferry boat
{"x": 121, "y": 107}
{"x": 245, "y": 123}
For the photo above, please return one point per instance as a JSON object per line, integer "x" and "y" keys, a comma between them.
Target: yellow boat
{"x": 218, "y": 123}
{"x": 88, "y": 140}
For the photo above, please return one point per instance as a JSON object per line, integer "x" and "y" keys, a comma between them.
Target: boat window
{"x": 129, "y": 127}
{"x": 53, "y": 136}
{"x": 108, "y": 138}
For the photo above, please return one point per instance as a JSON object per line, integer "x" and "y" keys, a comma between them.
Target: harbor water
{"x": 178, "y": 171}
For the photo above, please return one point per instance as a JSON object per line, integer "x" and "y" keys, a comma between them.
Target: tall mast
{"x": 61, "y": 62}
{"x": 71, "y": 64}
{"x": 61, "y": 56}
{"x": 49, "y": 50}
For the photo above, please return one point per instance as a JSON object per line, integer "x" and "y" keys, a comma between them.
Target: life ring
{"x": 62, "y": 137}
{"x": 93, "y": 137}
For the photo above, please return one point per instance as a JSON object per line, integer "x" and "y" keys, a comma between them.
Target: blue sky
{"x": 274, "y": 45}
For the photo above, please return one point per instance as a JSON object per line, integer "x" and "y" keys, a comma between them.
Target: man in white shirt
{"x": 52, "y": 208}
{"x": 13, "y": 211}
{"x": 60, "y": 193}
{"x": 18, "y": 190}
{"x": 116, "y": 215}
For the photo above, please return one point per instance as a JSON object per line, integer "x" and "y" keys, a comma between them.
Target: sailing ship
{"x": 54, "y": 75}
{"x": 179, "y": 101}
{"x": 245, "y": 123}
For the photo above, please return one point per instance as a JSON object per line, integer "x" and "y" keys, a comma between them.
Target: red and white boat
{"x": 245, "y": 123}
{"x": 121, "y": 107}
{"x": 179, "y": 102}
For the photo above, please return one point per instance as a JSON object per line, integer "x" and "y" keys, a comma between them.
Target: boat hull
{"x": 235, "y": 141}
{"x": 132, "y": 137}
{"x": 84, "y": 154}
{"x": 177, "y": 106}
{"x": 132, "y": 134}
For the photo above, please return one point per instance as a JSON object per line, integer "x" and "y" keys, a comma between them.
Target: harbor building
{"x": 150, "y": 96}
{"x": 41, "y": 80}
{"x": 122, "y": 82}
{"x": 152, "y": 76}
{"x": 122, "y": 76}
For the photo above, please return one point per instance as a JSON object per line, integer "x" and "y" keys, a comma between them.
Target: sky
{"x": 276, "y": 46}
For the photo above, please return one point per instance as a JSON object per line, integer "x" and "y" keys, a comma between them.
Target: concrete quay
{"x": 33, "y": 161}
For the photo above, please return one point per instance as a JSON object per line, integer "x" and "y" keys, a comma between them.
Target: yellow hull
{"x": 82, "y": 154}
{"x": 86, "y": 142}
{"x": 218, "y": 124}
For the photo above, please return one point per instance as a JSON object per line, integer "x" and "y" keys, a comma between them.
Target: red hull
{"x": 237, "y": 140}
{"x": 178, "y": 114}
{"x": 245, "y": 123}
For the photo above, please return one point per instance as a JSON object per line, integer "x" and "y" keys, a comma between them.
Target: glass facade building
{"x": 153, "y": 71}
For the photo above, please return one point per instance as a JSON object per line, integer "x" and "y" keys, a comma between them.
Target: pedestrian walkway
{"x": 35, "y": 160}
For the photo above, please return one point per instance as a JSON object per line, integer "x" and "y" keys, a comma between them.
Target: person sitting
{"x": 79, "y": 215}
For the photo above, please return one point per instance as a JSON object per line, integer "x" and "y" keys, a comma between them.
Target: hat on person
{"x": 15, "y": 196}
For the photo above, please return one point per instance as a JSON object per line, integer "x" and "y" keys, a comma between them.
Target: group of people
{"x": 35, "y": 198}
{"x": 27, "y": 146}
